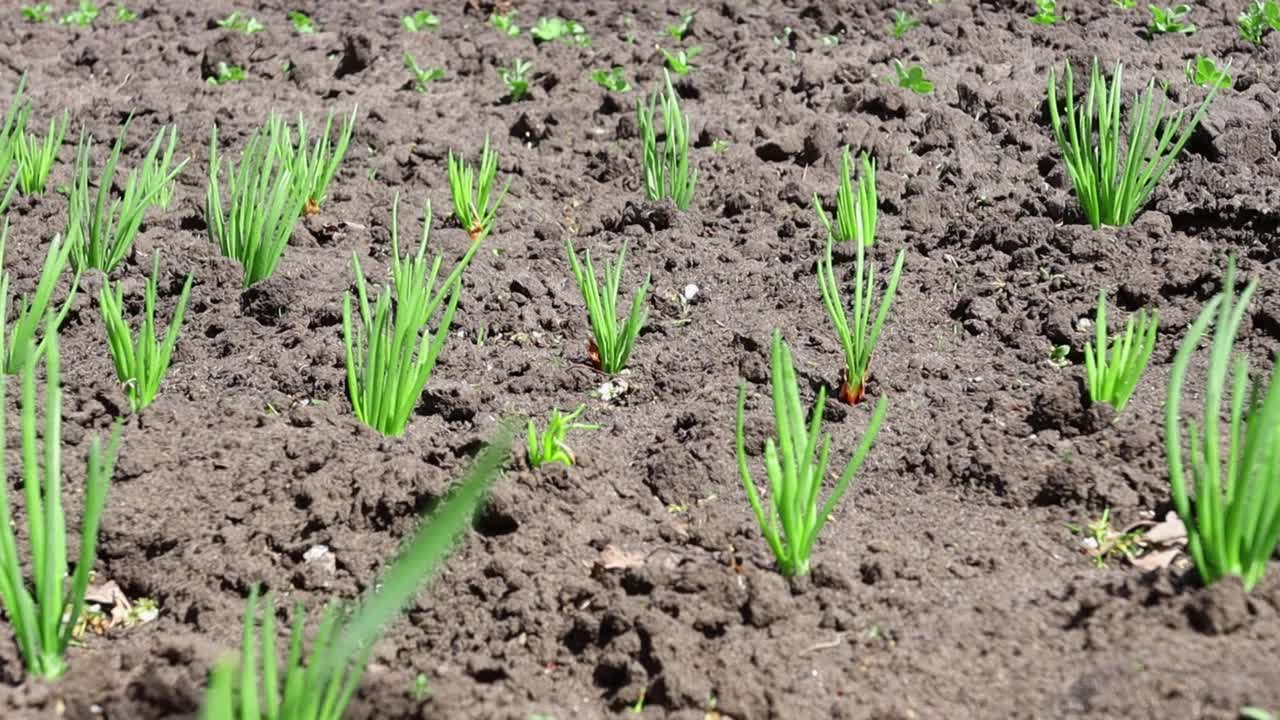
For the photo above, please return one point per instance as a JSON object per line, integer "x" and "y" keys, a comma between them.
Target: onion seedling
{"x": 155, "y": 170}
{"x": 33, "y": 312}
{"x": 796, "y": 465}
{"x": 859, "y": 339}
{"x": 35, "y": 157}
{"x": 474, "y": 204}
{"x": 11, "y": 130}
{"x": 265, "y": 206}
{"x": 856, "y": 215}
{"x": 321, "y": 687}
{"x": 1112, "y": 374}
{"x": 392, "y": 354}
{"x": 45, "y": 609}
{"x": 1091, "y": 147}
{"x": 1235, "y": 524}
{"x": 141, "y": 363}
{"x": 610, "y": 345}
{"x": 102, "y": 235}
{"x": 311, "y": 166}
{"x": 666, "y": 172}
{"x": 551, "y": 447}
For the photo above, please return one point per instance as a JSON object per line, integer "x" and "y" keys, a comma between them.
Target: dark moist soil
{"x": 946, "y": 585}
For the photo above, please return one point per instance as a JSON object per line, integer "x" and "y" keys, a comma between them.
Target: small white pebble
{"x": 316, "y": 552}
{"x": 690, "y": 292}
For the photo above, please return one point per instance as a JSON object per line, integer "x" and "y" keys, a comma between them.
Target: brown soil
{"x": 946, "y": 585}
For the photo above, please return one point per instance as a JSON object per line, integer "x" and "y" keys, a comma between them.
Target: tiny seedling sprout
{"x": 422, "y": 77}
{"x": 516, "y": 78}
{"x": 611, "y": 344}
{"x": 613, "y": 79}
{"x": 1046, "y": 12}
{"x": 680, "y": 62}
{"x": 1165, "y": 21}
{"x": 912, "y": 78}
{"x": 419, "y": 21}
{"x": 83, "y": 16}
{"x": 1204, "y": 72}
{"x": 1258, "y": 18}
{"x": 37, "y": 12}
{"x": 505, "y": 23}
{"x": 224, "y": 73}
{"x": 1112, "y": 370}
{"x": 551, "y": 446}
{"x": 902, "y": 22}
{"x": 795, "y": 461}
{"x": 302, "y": 22}
{"x": 240, "y": 22}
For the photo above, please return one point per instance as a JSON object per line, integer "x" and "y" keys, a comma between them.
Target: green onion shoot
{"x": 141, "y": 362}
{"x": 474, "y": 203}
{"x": 611, "y": 344}
{"x": 45, "y": 608}
{"x": 101, "y": 230}
{"x": 666, "y": 170}
{"x": 34, "y": 310}
{"x": 796, "y": 464}
{"x": 311, "y": 166}
{"x": 1112, "y": 370}
{"x": 856, "y": 215}
{"x": 858, "y": 336}
{"x": 1114, "y": 180}
{"x": 1235, "y": 524}
{"x": 551, "y": 445}
{"x": 264, "y": 207}
{"x": 391, "y": 354}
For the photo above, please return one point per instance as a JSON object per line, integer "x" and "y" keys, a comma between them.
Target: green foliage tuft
{"x": 795, "y": 461}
